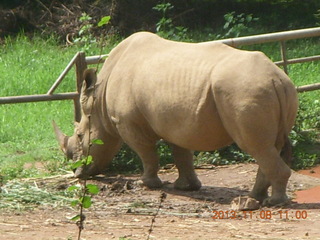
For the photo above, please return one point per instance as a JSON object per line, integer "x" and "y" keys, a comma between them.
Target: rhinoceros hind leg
{"x": 187, "y": 179}
{"x": 260, "y": 189}
{"x": 275, "y": 171}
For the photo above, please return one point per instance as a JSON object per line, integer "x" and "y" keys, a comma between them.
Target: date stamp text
{"x": 260, "y": 214}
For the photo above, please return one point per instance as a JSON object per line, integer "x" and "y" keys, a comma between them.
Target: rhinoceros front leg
{"x": 150, "y": 161}
{"x": 187, "y": 179}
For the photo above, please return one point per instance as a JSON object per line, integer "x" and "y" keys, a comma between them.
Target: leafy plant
{"x": 165, "y": 23}
{"x": 305, "y": 134}
{"x": 128, "y": 161}
{"x": 165, "y": 26}
{"x": 85, "y": 37}
{"x": 227, "y": 155}
{"x": 235, "y": 25}
{"x": 83, "y": 190}
{"x": 317, "y": 15}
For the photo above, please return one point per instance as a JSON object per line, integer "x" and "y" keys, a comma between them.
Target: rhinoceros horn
{"x": 61, "y": 137}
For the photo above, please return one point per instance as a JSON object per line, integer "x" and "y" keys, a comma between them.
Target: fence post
{"x": 81, "y": 66}
{"x": 284, "y": 56}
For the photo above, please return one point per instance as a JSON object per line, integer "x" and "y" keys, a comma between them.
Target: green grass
{"x": 31, "y": 66}
{"x": 26, "y": 136}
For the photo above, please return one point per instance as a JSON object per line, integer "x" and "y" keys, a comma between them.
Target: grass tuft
{"x": 19, "y": 195}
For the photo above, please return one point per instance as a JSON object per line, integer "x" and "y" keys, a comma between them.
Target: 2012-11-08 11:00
{"x": 260, "y": 214}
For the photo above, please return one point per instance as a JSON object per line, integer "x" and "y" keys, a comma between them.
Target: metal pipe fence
{"x": 280, "y": 37}
{"x": 80, "y": 61}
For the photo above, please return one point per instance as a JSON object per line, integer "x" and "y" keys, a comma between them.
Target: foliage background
{"x": 62, "y": 16}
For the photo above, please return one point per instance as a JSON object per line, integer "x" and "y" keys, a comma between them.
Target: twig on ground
{"x": 163, "y": 196}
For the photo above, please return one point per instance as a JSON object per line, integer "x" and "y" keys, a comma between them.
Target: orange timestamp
{"x": 260, "y": 214}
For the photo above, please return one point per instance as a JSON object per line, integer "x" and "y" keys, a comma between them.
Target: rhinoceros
{"x": 196, "y": 97}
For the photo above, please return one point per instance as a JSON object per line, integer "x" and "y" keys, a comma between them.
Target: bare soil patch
{"x": 125, "y": 209}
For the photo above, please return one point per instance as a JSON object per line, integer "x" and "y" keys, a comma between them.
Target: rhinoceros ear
{"x": 90, "y": 78}
{"x": 61, "y": 137}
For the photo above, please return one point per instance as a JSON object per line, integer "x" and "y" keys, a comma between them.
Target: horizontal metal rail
{"x": 50, "y": 96}
{"x": 299, "y": 60}
{"x": 272, "y": 37}
{"x": 39, "y": 98}
{"x": 96, "y": 59}
{"x": 307, "y": 88}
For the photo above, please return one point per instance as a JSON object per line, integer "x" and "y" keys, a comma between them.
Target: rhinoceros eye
{"x": 80, "y": 136}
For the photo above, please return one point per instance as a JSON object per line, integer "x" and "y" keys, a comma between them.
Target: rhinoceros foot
{"x": 86, "y": 172}
{"x": 187, "y": 185}
{"x": 259, "y": 196}
{"x": 276, "y": 201}
{"x": 152, "y": 183}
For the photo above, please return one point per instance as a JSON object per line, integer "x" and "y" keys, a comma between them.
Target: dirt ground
{"x": 124, "y": 210}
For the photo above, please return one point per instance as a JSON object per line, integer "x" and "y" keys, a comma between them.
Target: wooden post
{"x": 81, "y": 66}
{"x": 284, "y": 56}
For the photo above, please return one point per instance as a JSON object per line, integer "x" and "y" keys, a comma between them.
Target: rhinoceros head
{"x": 77, "y": 146}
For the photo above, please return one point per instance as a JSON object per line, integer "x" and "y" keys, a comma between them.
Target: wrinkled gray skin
{"x": 194, "y": 96}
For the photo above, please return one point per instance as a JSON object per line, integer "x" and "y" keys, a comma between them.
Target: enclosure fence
{"x": 80, "y": 61}
{"x": 281, "y": 37}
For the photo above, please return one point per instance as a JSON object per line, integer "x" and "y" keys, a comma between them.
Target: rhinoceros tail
{"x": 283, "y": 143}
{"x": 286, "y": 152}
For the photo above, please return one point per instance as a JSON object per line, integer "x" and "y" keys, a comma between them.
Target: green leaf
{"x": 77, "y": 164}
{"x": 104, "y": 21}
{"x": 75, "y": 218}
{"x": 97, "y": 141}
{"x": 88, "y": 160}
{"x": 72, "y": 188}
{"x": 86, "y": 201}
{"x": 226, "y": 25}
{"x": 249, "y": 18}
{"x": 93, "y": 189}
{"x": 74, "y": 203}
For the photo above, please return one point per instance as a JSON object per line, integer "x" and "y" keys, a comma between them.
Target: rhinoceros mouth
{"x": 85, "y": 172}
{"x": 80, "y": 173}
